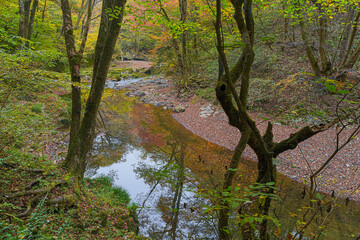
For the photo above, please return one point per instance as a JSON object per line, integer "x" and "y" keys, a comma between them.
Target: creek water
{"x": 172, "y": 174}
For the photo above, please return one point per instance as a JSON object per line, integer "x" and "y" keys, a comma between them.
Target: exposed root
{"x": 33, "y": 183}
{"x": 30, "y": 203}
{"x": 31, "y": 170}
{"x": 63, "y": 201}
{"x": 33, "y": 192}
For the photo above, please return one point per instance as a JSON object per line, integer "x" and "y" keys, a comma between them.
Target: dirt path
{"x": 210, "y": 122}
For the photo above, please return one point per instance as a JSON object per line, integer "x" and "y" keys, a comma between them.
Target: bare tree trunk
{"x": 80, "y": 147}
{"x": 309, "y": 52}
{"x": 286, "y": 24}
{"x": 347, "y": 60}
{"x": 224, "y": 211}
{"x": 24, "y": 10}
{"x": 43, "y": 11}
{"x": 179, "y": 54}
{"x": 325, "y": 63}
{"x": 32, "y": 18}
{"x": 353, "y": 58}
{"x": 346, "y": 35}
{"x": 85, "y": 28}
{"x": 74, "y": 59}
{"x": 183, "y": 17}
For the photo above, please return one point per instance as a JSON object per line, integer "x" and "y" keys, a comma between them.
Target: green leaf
{"x": 318, "y": 196}
{"x": 330, "y": 87}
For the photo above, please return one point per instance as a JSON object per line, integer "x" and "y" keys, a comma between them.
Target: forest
{"x": 179, "y": 119}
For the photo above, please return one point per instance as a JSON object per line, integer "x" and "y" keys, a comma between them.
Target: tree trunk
{"x": 346, "y": 35}
{"x": 348, "y": 62}
{"x": 74, "y": 59}
{"x": 309, "y": 52}
{"x": 43, "y": 11}
{"x": 234, "y": 106}
{"x": 353, "y": 58}
{"x": 179, "y": 54}
{"x": 183, "y": 17}
{"x": 178, "y": 194}
{"x": 24, "y": 11}
{"x": 32, "y": 18}
{"x": 80, "y": 147}
{"x": 224, "y": 211}
{"x": 81, "y": 13}
{"x": 325, "y": 63}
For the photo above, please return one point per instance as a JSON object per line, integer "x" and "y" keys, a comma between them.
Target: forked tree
{"x": 110, "y": 25}
{"x": 234, "y": 104}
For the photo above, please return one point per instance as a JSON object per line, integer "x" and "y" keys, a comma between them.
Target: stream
{"x": 165, "y": 167}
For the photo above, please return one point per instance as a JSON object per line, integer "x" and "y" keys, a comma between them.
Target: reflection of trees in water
{"x": 114, "y": 139}
{"x": 178, "y": 209}
{"x": 170, "y": 210}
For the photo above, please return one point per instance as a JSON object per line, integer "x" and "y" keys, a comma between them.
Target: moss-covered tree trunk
{"x": 81, "y": 145}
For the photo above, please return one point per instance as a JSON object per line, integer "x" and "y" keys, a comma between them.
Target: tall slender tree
{"x": 74, "y": 58}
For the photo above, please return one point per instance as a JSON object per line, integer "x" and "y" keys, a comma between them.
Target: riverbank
{"x": 210, "y": 122}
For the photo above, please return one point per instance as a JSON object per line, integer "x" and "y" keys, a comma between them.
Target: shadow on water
{"x": 169, "y": 172}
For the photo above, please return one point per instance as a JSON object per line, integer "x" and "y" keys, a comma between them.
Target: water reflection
{"x": 162, "y": 165}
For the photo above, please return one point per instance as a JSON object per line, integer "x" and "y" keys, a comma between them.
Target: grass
{"x": 32, "y": 109}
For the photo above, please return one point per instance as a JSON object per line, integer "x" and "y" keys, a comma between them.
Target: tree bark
{"x": 309, "y": 52}
{"x": 346, "y": 35}
{"x": 24, "y": 11}
{"x": 32, "y": 18}
{"x": 183, "y": 17}
{"x": 234, "y": 106}
{"x": 74, "y": 59}
{"x": 325, "y": 63}
{"x": 352, "y": 37}
{"x": 79, "y": 149}
{"x": 43, "y": 11}
{"x": 353, "y": 58}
